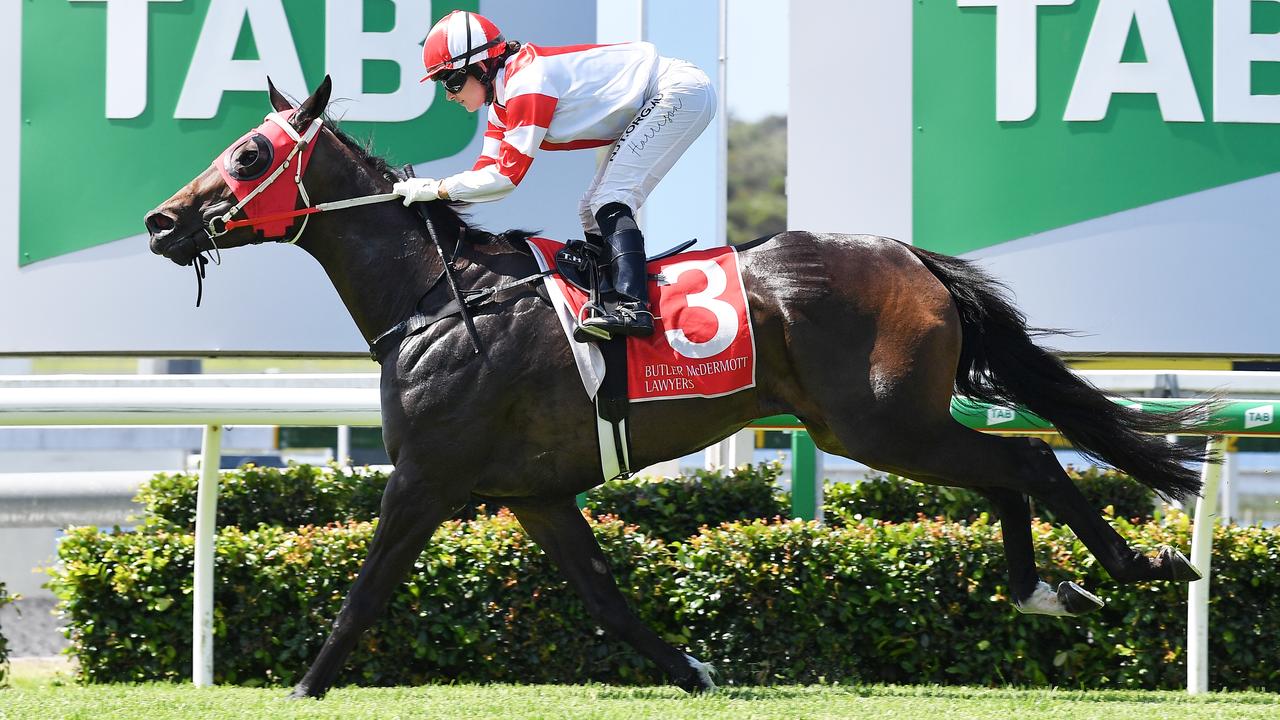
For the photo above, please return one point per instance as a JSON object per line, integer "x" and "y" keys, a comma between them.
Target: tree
{"x": 757, "y": 171}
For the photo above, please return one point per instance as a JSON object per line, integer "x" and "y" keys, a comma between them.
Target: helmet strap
{"x": 485, "y": 75}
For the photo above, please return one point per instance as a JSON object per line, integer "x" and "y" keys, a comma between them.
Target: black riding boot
{"x": 631, "y": 316}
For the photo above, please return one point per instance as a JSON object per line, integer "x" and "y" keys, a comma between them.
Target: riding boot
{"x": 631, "y": 315}
{"x": 600, "y": 251}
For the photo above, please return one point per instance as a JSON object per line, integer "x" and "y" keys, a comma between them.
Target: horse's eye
{"x": 251, "y": 159}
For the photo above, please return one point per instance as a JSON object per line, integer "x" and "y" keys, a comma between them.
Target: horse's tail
{"x": 999, "y": 363}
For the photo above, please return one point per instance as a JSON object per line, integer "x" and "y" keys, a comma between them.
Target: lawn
{"x": 40, "y": 693}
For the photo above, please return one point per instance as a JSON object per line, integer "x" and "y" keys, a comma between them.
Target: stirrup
{"x": 589, "y": 333}
{"x": 624, "y": 320}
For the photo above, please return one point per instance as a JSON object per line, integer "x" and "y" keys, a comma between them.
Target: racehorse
{"x": 863, "y": 338}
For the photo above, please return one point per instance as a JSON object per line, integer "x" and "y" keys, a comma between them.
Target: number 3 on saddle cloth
{"x": 702, "y": 344}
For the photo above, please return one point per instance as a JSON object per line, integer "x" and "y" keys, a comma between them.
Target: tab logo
{"x": 135, "y": 97}
{"x": 1259, "y": 416}
{"x": 998, "y": 415}
{"x": 1033, "y": 115}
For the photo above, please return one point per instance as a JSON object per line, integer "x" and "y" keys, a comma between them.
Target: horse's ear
{"x": 278, "y": 100}
{"x": 313, "y": 107}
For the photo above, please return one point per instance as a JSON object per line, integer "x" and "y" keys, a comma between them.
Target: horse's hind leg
{"x": 408, "y": 517}
{"x": 1031, "y": 595}
{"x": 564, "y": 534}
{"x": 1057, "y": 491}
{"x": 885, "y": 414}
{"x": 921, "y": 441}
{"x": 954, "y": 455}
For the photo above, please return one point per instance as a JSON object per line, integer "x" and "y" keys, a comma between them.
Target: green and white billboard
{"x": 119, "y": 103}
{"x": 137, "y": 95}
{"x": 1094, "y": 107}
{"x": 1117, "y": 161}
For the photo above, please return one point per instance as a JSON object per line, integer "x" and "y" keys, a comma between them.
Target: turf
{"x": 55, "y": 699}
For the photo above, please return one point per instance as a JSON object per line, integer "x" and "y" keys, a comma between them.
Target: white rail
{"x": 211, "y": 406}
{"x": 1201, "y": 552}
{"x": 189, "y": 406}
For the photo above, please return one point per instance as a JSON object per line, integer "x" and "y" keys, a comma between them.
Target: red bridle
{"x": 267, "y": 205}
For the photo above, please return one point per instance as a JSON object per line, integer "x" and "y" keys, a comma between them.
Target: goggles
{"x": 453, "y": 80}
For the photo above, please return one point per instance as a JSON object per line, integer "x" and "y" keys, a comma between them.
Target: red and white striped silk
{"x": 556, "y": 98}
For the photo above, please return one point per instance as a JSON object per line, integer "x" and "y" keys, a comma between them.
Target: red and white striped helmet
{"x": 460, "y": 39}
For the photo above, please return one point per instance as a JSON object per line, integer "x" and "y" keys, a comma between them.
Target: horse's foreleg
{"x": 564, "y": 534}
{"x": 406, "y": 522}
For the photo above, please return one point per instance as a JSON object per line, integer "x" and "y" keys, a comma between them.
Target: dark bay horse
{"x": 863, "y": 338}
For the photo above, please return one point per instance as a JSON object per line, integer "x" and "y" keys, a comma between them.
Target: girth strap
{"x": 421, "y": 320}
{"x": 409, "y": 327}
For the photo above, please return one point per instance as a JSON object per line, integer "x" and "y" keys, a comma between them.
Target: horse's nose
{"x": 159, "y": 222}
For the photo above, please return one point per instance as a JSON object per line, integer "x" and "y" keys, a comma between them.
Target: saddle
{"x": 582, "y": 264}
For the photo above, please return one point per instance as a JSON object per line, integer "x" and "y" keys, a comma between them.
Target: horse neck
{"x": 377, "y": 256}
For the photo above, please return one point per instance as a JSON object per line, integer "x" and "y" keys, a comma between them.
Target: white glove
{"x": 417, "y": 190}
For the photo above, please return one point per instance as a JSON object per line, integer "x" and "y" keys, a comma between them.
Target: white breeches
{"x": 677, "y": 111}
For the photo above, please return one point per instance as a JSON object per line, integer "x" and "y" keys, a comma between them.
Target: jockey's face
{"x": 471, "y": 96}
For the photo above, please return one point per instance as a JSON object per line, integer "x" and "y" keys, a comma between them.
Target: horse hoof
{"x": 301, "y": 693}
{"x": 699, "y": 681}
{"x": 1076, "y": 600}
{"x": 1179, "y": 566}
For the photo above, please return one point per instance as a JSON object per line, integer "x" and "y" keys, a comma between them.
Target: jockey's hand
{"x": 417, "y": 190}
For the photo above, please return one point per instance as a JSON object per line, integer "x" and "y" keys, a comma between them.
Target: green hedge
{"x": 251, "y": 496}
{"x": 673, "y": 508}
{"x": 5, "y": 599}
{"x": 767, "y": 603}
{"x": 897, "y": 499}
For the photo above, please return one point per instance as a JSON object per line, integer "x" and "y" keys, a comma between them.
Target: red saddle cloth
{"x": 702, "y": 345}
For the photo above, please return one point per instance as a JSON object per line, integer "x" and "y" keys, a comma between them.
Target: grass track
{"x": 30, "y": 699}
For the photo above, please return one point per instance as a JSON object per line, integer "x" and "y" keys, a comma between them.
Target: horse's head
{"x": 249, "y": 179}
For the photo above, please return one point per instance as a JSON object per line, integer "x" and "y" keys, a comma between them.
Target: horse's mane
{"x": 451, "y": 211}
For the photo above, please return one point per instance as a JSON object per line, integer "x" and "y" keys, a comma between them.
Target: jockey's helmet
{"x": 460, "y": 39}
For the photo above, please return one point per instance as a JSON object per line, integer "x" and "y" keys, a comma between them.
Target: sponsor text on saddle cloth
{"x": 702, "y": 345}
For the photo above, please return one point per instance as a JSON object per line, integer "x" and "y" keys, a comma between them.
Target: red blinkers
{"x": 246, "y": 169}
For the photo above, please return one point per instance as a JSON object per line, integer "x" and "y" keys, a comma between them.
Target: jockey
{"x": 645, "y": 108}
